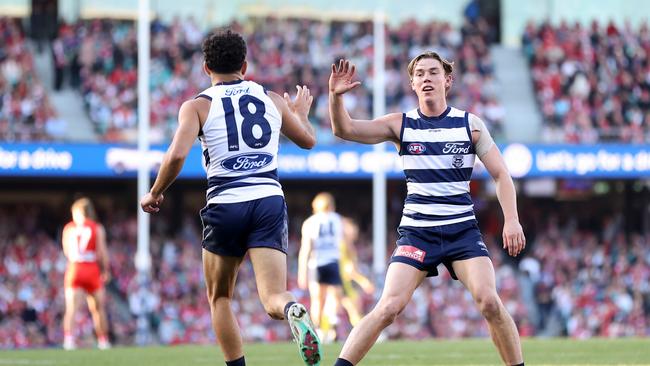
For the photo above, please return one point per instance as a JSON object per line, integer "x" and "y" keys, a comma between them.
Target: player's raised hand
{"x": 151, "y": 203}
{"x": 301, "y": 104}
{"x": 342, "y": 76}
{"x": 513, "y": 237}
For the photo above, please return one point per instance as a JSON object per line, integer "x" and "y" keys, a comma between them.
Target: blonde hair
{"x": 86, "y": 206}
{"x": 323, "y": 201}
{"x": 447, "y": 65}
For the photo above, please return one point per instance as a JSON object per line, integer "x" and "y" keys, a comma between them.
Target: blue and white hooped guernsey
{"x": 438, "y": 157}
{"x": 240, "y": 140}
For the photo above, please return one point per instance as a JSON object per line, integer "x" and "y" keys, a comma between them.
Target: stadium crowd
{"x": 592, "y": 82}
{"x": 101, "y": 56}
{"x": 25, "y": 110}
{"x": 576, "y": 280}
{"x": 571, "y": 281}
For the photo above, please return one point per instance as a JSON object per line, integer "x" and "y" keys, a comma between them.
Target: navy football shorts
{"x": 230, "y": 229}
{"x": 426, "y": 247}
{"x": 329, "y": 274}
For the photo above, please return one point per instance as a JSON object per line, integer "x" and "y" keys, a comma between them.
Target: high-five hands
{"x": 341, "y": 79}
{"x": 301, "y": 104}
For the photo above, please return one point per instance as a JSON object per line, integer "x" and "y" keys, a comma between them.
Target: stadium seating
{"x": 579, "y": 283}
{"x": 592, "y": 82}
{"x": 282, "y": 53}
{"x": 574, "y": 279}
{"x": 25, "y": 111}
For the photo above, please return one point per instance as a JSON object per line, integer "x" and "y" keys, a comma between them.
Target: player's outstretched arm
{"x": 386, "y": 128}
{"x": 187, "y": 132}
{"x": 295, "y": 121}
{"x": 513, "y": 235}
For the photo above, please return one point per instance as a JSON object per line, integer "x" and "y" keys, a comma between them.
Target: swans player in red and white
{"x": 84, "y": 245}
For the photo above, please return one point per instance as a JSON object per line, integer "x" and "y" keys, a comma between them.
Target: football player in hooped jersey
{"x": 238, "y": 123}
{"x": 438, "y": 145}
{"x": 84, "y": 245}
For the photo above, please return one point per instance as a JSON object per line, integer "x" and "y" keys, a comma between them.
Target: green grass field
{"x": 432, "y": 352}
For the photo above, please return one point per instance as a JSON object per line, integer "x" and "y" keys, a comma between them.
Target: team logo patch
{"x": 457, "y": 161}
{"x": 247, "y": 162}
{"x": 410, "y": 252}
{"x": 482, "y": 245}
{"x": 416, "y": 148}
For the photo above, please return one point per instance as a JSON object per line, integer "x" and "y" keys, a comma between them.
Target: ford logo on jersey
{"x": 247, "y": 162}
{"x": 455, "y": 148}
{"x": 416, "y": 148}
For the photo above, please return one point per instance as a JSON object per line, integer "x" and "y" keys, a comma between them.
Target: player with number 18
{"x": 239, "y": 123}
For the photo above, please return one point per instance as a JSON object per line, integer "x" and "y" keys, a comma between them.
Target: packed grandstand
{"x": 580, "y": 277}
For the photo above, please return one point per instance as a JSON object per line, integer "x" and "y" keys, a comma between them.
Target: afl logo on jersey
{"x": 247, "y": 162}
{"x": 416, "y": 148}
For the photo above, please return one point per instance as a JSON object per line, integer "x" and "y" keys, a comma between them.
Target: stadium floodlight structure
{"x": 143, "y": 256}
{"x": 379, "y": 174}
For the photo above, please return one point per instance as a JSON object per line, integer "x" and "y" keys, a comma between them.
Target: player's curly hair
{"x": 224, "y": 51}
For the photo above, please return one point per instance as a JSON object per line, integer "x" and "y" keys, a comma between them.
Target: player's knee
{"x": 266, "y": 300}
{"x": 215, "y": 298}
{"x": 388, "y": 311}
{"x": 269, "y": 311}
{"x": 270, "y": 303}
{"x": 489, "y": 305}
